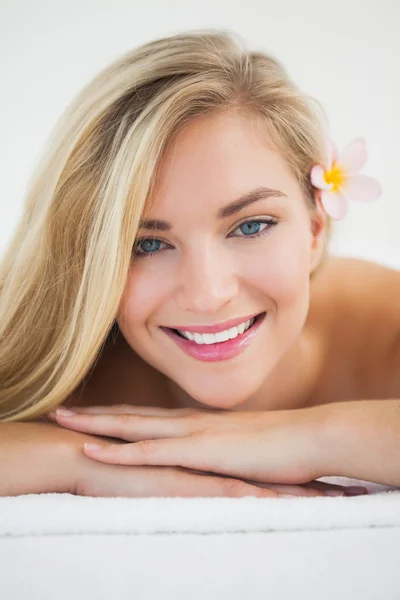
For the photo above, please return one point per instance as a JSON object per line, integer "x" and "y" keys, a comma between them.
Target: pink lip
{"x": 220, "y": 350}
{"x": 214, "y": 328}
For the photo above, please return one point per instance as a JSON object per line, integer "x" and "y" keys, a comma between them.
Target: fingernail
{"x": 287, "y": 496}
{"x": 334, "y": 493}
{"x": 64, "y": 413}
{"x": 355, "y": 491}
{"x": 92, "y": 446}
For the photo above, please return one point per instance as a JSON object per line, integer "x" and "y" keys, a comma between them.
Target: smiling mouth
{"x": 256, "y": 319}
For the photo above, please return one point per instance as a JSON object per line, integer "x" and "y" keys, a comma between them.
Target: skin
{"x": 312, "y": 348}
{"x": 315, "y": 346}
{"x": 204, "y": 276}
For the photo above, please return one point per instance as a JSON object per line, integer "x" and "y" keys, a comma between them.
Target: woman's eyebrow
{"x": 260, "y": 193}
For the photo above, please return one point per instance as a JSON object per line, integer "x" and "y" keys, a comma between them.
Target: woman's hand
{"x": 100, "y": 479}
{"x": 29, "y": 470}
{"x": 275, "y": 447}
{"x": 41, "y": 457}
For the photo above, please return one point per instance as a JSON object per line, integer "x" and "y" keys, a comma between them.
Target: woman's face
{"x": 206, "y": 268}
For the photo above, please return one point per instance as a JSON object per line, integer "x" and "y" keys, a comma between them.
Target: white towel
{"x": 51, "y": 514}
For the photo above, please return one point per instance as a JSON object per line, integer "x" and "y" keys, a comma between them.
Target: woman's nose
{"x": 206, "y": 283}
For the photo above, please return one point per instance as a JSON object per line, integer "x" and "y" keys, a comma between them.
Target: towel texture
{"x": 53, "y": 514}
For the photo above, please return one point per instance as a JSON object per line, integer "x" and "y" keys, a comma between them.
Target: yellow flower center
{"x": 335, "y": 176}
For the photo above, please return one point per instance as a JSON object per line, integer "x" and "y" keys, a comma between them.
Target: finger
{"x": 287, "y": 488}
{"x": 112, "y": 481}
{"x": 131, "y": 409}
{"x": 129, "y": 427}
{"x": 191, "y": 485}
{"x": 284, "y": 488}
{"x": 165, "y": 452}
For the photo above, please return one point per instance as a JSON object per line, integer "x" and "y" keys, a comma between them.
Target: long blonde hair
{"x": 64, "y": 271}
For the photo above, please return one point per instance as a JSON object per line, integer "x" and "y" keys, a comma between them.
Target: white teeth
{"x": 241, "y": 327}
{"x": 197, "y": 338}
{"x": 222, "y": 336}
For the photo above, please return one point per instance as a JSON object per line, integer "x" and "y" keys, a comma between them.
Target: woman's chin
{"x": 233, "y": 397}
{"x": 220, "y": 402}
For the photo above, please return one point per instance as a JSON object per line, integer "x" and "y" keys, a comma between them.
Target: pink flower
{"x": 339, "y": 180}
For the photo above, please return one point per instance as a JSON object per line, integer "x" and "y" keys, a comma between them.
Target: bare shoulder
{"x": 356, "y": 292}
{"x": 366, "y": 289}
{"x": 363, "y": 345}
{"x": 361, "y": 268}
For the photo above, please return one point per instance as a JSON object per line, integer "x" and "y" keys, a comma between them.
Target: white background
{"x": 344, "y": 52}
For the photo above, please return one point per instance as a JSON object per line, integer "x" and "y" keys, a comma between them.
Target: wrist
{"x": 33, "y": 459}
{"x": 352, "y": 439}
{"x": 59, "y": 458}
{"x": 330, "y": 440}
{"x": 363, "y": 440}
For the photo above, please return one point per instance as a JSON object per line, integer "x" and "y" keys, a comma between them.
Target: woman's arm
{"x": 357, "y": 439}
{"x": 40, "y": 457}
{"x": 32, "y": 459}
{"x": 362, "y": 439}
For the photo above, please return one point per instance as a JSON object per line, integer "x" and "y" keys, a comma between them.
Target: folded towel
{"x": 51, "y": 514}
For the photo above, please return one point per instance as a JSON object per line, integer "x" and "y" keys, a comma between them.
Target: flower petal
{"x": 318, "y": 179}
{"x": 362, "y": 188}
{"x": 330, "y": 153}
{"x": 335, "y": 204}
{"x": 334, "y": 150}
{"x": 354, "y": 155}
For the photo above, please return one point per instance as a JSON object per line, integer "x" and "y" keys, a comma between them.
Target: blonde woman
{"x": 170, "y": 281}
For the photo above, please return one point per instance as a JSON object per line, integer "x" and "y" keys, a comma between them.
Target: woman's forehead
{"x": 213, "y": 164}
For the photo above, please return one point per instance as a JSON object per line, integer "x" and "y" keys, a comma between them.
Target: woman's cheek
{"x": 283, "y": 274}
{"x": 135, "y": 308}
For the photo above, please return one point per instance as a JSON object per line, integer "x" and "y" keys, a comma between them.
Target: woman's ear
{"x": 318, "y": 226}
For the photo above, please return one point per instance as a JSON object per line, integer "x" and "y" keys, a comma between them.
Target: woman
{"x": 185, "y": 191}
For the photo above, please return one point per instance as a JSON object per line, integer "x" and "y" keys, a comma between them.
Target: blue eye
{"x": 147, "y": 243}
{"x": 248, "y": 227}
{"x": 251, "y": 227}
